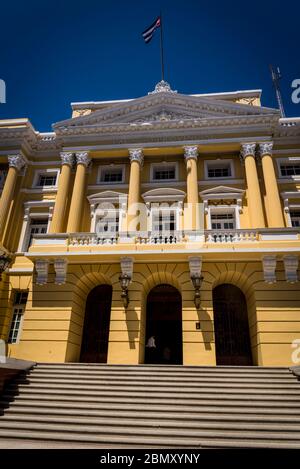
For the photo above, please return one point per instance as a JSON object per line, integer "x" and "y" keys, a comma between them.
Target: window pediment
{"x": 163, "y": 194}
{"x": 222, "y": 193}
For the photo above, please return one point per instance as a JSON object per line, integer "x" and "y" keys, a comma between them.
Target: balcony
{"x": 231, "y": 236}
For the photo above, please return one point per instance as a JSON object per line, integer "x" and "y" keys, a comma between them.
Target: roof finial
{"x": 162, "y": 87}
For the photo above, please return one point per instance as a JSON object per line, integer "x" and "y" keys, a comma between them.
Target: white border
{"x": 216, "y": 162}
{"x": 45, "y": 172}
{"x": 112, "y": 166}
{"x": 163, "y": 164}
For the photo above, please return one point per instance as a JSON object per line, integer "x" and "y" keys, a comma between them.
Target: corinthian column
{"x": 253, "y": 189}
{"x": 62, "y": 193}
{"x": 16, "y": 163}
{"x": 136, "y": 163}
{"x": 191, "y": 157}
{"x": 273, "y": 204}
{"x": 78, "y": 195}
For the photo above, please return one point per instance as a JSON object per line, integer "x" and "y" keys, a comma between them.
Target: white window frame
{"x": 289, "y": 160}
{"x": 224, "y": 209}
{"x": 28, "y": 216}
{"x": 164, "y": 164}
{"x": 210, "y": 163}
{"x": 115, "y": 213}
{"x": 14, "y": 307}
{"x": 107, "y": 167}
{"x": 156, "y": 208}
{"x": 45, "y": 172}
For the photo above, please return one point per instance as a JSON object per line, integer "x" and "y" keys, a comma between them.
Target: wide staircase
{"x": 151, "y": 406}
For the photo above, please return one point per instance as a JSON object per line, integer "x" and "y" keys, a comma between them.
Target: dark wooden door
{"x": 231, "y": 326}
{"x": 94, "y": 344}
{"x": 164, "y": 322}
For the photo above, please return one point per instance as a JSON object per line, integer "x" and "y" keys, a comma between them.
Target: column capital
{"x": 136, "y": 154}
{"x": 82, "y": 157}
{"x": 67, "y": 158}
{"x": 247, "y": 149}
{"x": 190, "y": 152}
{"x": 265, "y": 148}
{"x": 16, "y": 161}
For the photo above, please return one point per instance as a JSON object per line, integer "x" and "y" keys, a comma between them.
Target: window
{"x": 164, "y": 172}
{"x": 108, "y": 223}
{"x": 18, "y": 311}
{"x": 111, "y": 174}
{"x": 219, "y": 169}
{"x": 164, "y": 221}
{"x": 37, "y": 226}
{"x": 295, "y": 217}
{"x": 46, "y": 178}
{"x": 291, "y": 169}
{"x": 222, "y": 221}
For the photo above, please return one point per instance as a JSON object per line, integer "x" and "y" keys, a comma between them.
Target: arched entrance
{"x": 164, "y": 322}
{"x": 94, "y": 343}
{"x": 231, "y": 326}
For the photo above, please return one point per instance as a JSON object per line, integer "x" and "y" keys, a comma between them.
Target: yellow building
{"x": 170, "y": 215}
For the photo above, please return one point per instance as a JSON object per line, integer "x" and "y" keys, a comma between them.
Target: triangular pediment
{"x": 161, "y": 108}
{"x": 222, "y": 192}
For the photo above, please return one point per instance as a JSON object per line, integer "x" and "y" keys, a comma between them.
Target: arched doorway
{"x": 164, "y": 322}
{"x": 231, "y": 326}
{"x": 94, "y": 343}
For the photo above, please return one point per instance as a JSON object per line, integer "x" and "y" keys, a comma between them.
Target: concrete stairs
{"x": 151, "y": 406}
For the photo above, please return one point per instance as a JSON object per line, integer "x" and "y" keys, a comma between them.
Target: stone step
{"x": 151, "y": 369}
{"x": 173, "y": 423}
{"x": 154, "y": 431}
{"x": 213, "y": 414}
{"x": 272, "y": 384}
{"x": 160, "y": 392}
{"x": 135, "y": 441}
{"x": 158, "y": 399}
{"x": 242, "y": 408}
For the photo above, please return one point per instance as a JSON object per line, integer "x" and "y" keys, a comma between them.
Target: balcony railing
{"x": 150, "y": 237}
{"x": 231, "y": 236}
{"x": 94, "y": 239}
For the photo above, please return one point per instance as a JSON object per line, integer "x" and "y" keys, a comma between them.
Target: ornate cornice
{"x": 67, "y": 158}
{"x": 265, "y": 148}
{"x": 16, "y": 161}
{"x": 162, "y": 87}
{"x": 82, "y": 157}
{"x": 136, "y": 154}
{"x": 191, "y": 152}
{"x": 247, "y": 149}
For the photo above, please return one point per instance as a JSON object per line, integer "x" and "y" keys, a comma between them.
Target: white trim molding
{"x": 222, "y": 193}
{"x": 163, "y": 164}
{"x": 110, "y": 200}
{"x": 45, "y": 172}
{"x": 269, "y": 268}
{"x": 28, "y": 216}
{"x": 288, "y": 161}
{"x": 291, "y": 266}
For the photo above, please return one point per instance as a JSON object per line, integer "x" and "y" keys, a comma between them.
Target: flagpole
{"x": 162, "y": 49}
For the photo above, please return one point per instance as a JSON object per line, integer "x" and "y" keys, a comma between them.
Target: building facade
{"x": 170, "y": 219}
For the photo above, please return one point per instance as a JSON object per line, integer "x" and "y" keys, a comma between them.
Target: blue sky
{"x": 56, "y": 52}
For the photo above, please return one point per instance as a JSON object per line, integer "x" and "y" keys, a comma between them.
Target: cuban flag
{"x": 148, "y": 33}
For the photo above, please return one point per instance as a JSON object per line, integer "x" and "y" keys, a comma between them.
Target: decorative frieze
{"x": 60, "y": 267}
{"x": 16, "y": 161}
{"x": 42, "y": 269}
{"x": 191, "y": 152}
{"x": 136, "y": 154}
{"x": 269, "y": 268}
{"x": 291, "y": 266}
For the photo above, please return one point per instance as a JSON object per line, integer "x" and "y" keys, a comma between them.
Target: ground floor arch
{"x": 231, "y": 325}
{"x": 94, "y": 345}
{"x": 164, "y": 323}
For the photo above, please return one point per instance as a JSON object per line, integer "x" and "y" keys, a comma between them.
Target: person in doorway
{"x": 151, "y": 350}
